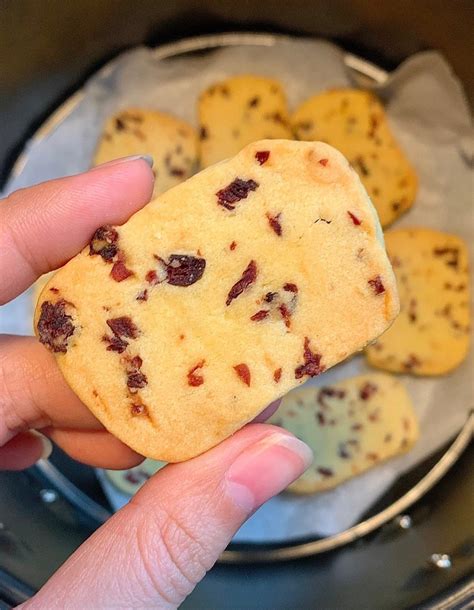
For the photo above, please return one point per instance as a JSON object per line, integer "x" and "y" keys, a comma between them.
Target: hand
{"x": 153, "y": 551}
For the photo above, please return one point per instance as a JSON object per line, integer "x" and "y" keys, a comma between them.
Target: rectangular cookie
{"x": 170, "y": 141}
{"x": 219, "y": 296}
{"x": 354, "y": 122}
{"x": 431, "y": 336}
{"x": 238, "y": 111}
{"x": 351, "y": 427}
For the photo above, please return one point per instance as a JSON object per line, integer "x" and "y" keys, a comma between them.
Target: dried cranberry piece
{"x": 55, "y": 325}
{"x": 329, "y": 393}
{"x": 277, "y": 375}
{"x": 270, "y": 296}
{"x": 195, "y": 379}
{"x": 243, "y": 372}
{"x": 142, "y": 296}
{"x": 233, "y": 245}
{"x": 203, "y": 134}
{"x": 248, "y": 277}
{"x": 123, "y": 327}
{"x": 361, "y": 165}
{"x": 290, "y": 287}
{"x": 354, "y": 218}
{"x": 184, "y": 270}
{"x": 152, "y": 277}
{"x": 253, "y": 102}
{"x": 104, "y": 243}
{"x": 274, "y": 222}
{"x": 54, "y": 290}
{"x": 262, "y": 156}
{"x": 285, "y": 314}
{"x": 411, "y": 362}
{"x": 321, "y": 418}
{"x": 137, "y": 379}
{"x": 260, "y": 315}
{"x": 177, "y": 172}
{"x": 119, "y": 272}
{"x": 453, "y": 261}
{"x": 323, "y": 162}
{"x": 234, "y": 192}
{"x": 325, "y": 472}
{"x": 377, "y": 285}
{"x": 367, "y": 390}
{"x": 312, "y": 363}
{"x": 138, "y": 409}
{"x": 373, "y": 457}
{"x": 116, "y": 344}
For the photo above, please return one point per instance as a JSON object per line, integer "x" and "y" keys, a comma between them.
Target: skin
{"x": 174, "y": 529}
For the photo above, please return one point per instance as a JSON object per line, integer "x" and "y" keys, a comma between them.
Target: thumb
{"x": 155, "y": 550}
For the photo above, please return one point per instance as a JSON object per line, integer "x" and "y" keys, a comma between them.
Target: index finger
{"x": 42, "y": 227}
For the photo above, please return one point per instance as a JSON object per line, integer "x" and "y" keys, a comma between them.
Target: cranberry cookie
{"x": 219, "y": 296}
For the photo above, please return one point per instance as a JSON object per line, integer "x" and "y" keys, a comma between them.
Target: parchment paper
{"x": 430, "y": 117}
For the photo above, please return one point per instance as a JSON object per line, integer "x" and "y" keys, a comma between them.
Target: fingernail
{"x": 263, "y": 470}
{"x": 46, "y": 443}
{"x": 147, "y": 158}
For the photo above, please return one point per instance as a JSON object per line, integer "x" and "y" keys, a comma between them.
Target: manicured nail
{"x": 147, "y": 158}
{"x": 267, "y": 412}
{"x": 46, "y": 443}
{"x": 263, "y": 470}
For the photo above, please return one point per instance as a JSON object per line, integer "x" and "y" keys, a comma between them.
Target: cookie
{"x": 129, "y": 481}
{"x": 238, "y": 111}
{"x": 170, "y": 141}
{"x": 219, "y": 296}
{"x": 355, "y": 123}
{"x": 431, "y": 336}
{"x": 351, "y": 426}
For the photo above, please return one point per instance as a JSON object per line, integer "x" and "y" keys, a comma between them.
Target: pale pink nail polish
{"x": 147, "y": 158}
{"x": 266, "y": 468}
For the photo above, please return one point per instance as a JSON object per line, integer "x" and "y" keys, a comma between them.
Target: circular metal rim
{"x": 296, "y": 550}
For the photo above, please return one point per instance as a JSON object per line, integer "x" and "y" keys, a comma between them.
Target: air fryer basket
{"x": 396, "y": 556}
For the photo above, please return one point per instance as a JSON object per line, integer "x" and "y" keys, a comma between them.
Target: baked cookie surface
{"x": 354, "y": 122}
{"x": 170, "y": 141}
{"x": 431, "y": 336}
{"x": 351, "y": 426}
{"x": 219, "y": 296}
{"x": 237, "y": 112}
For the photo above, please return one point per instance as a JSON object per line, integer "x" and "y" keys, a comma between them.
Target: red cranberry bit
{"x": 184, "y": 270}
{"x": 277, "y": 375}
{"x": 285, "y": 314}
{"x": 136, "y": 362}
{"x": 234, "y": 192}
{"x": 321, "y": 418}
{"x": 119, "y": 124}
{"x": 196, "y": 379}
{"x": 138, "y": 409}
{"x": 270, "y": 296}
{"x": 176, "y": 172}
{"x": 367, "y": 390}
{"x": 233, "y": 245}
{"x": 142, "y": 296}
{"x": 54, "y": 290}
{"x": 312, "y": 363}
{"x": 361, "y": 165}
{"x": 323, "y": 162}
{"x": 453, "y": 261}
{"x": 120, "y": 272}
{"x": 289, "y": 287}
{"x": 136, "y": 380}
{"x": 152, "y": 277}
{"x": 55, "y": 326}
{"x": 354, "y": 218}
{"x": 325, "y": 472}
{"x": 377, "y": 285}
{"x": 248, "y": 277}
{"x": 260, "y": 315}
{"x": 274, "y": 222}
{"x": 115, "y": 344}
{"x": 253, "y": 102}
{"x": 329, "y": 393}
{"x": 203, "y": 134}
{"x": 411, "y": 362}
{"x": 262, "y": 156}
{"x": 123, "y": 327}
{"x": 104, "y": 243}
{"x": 243, "y": 372}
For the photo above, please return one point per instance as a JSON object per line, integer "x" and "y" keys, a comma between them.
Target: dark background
{"x": 49, "y": 47}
